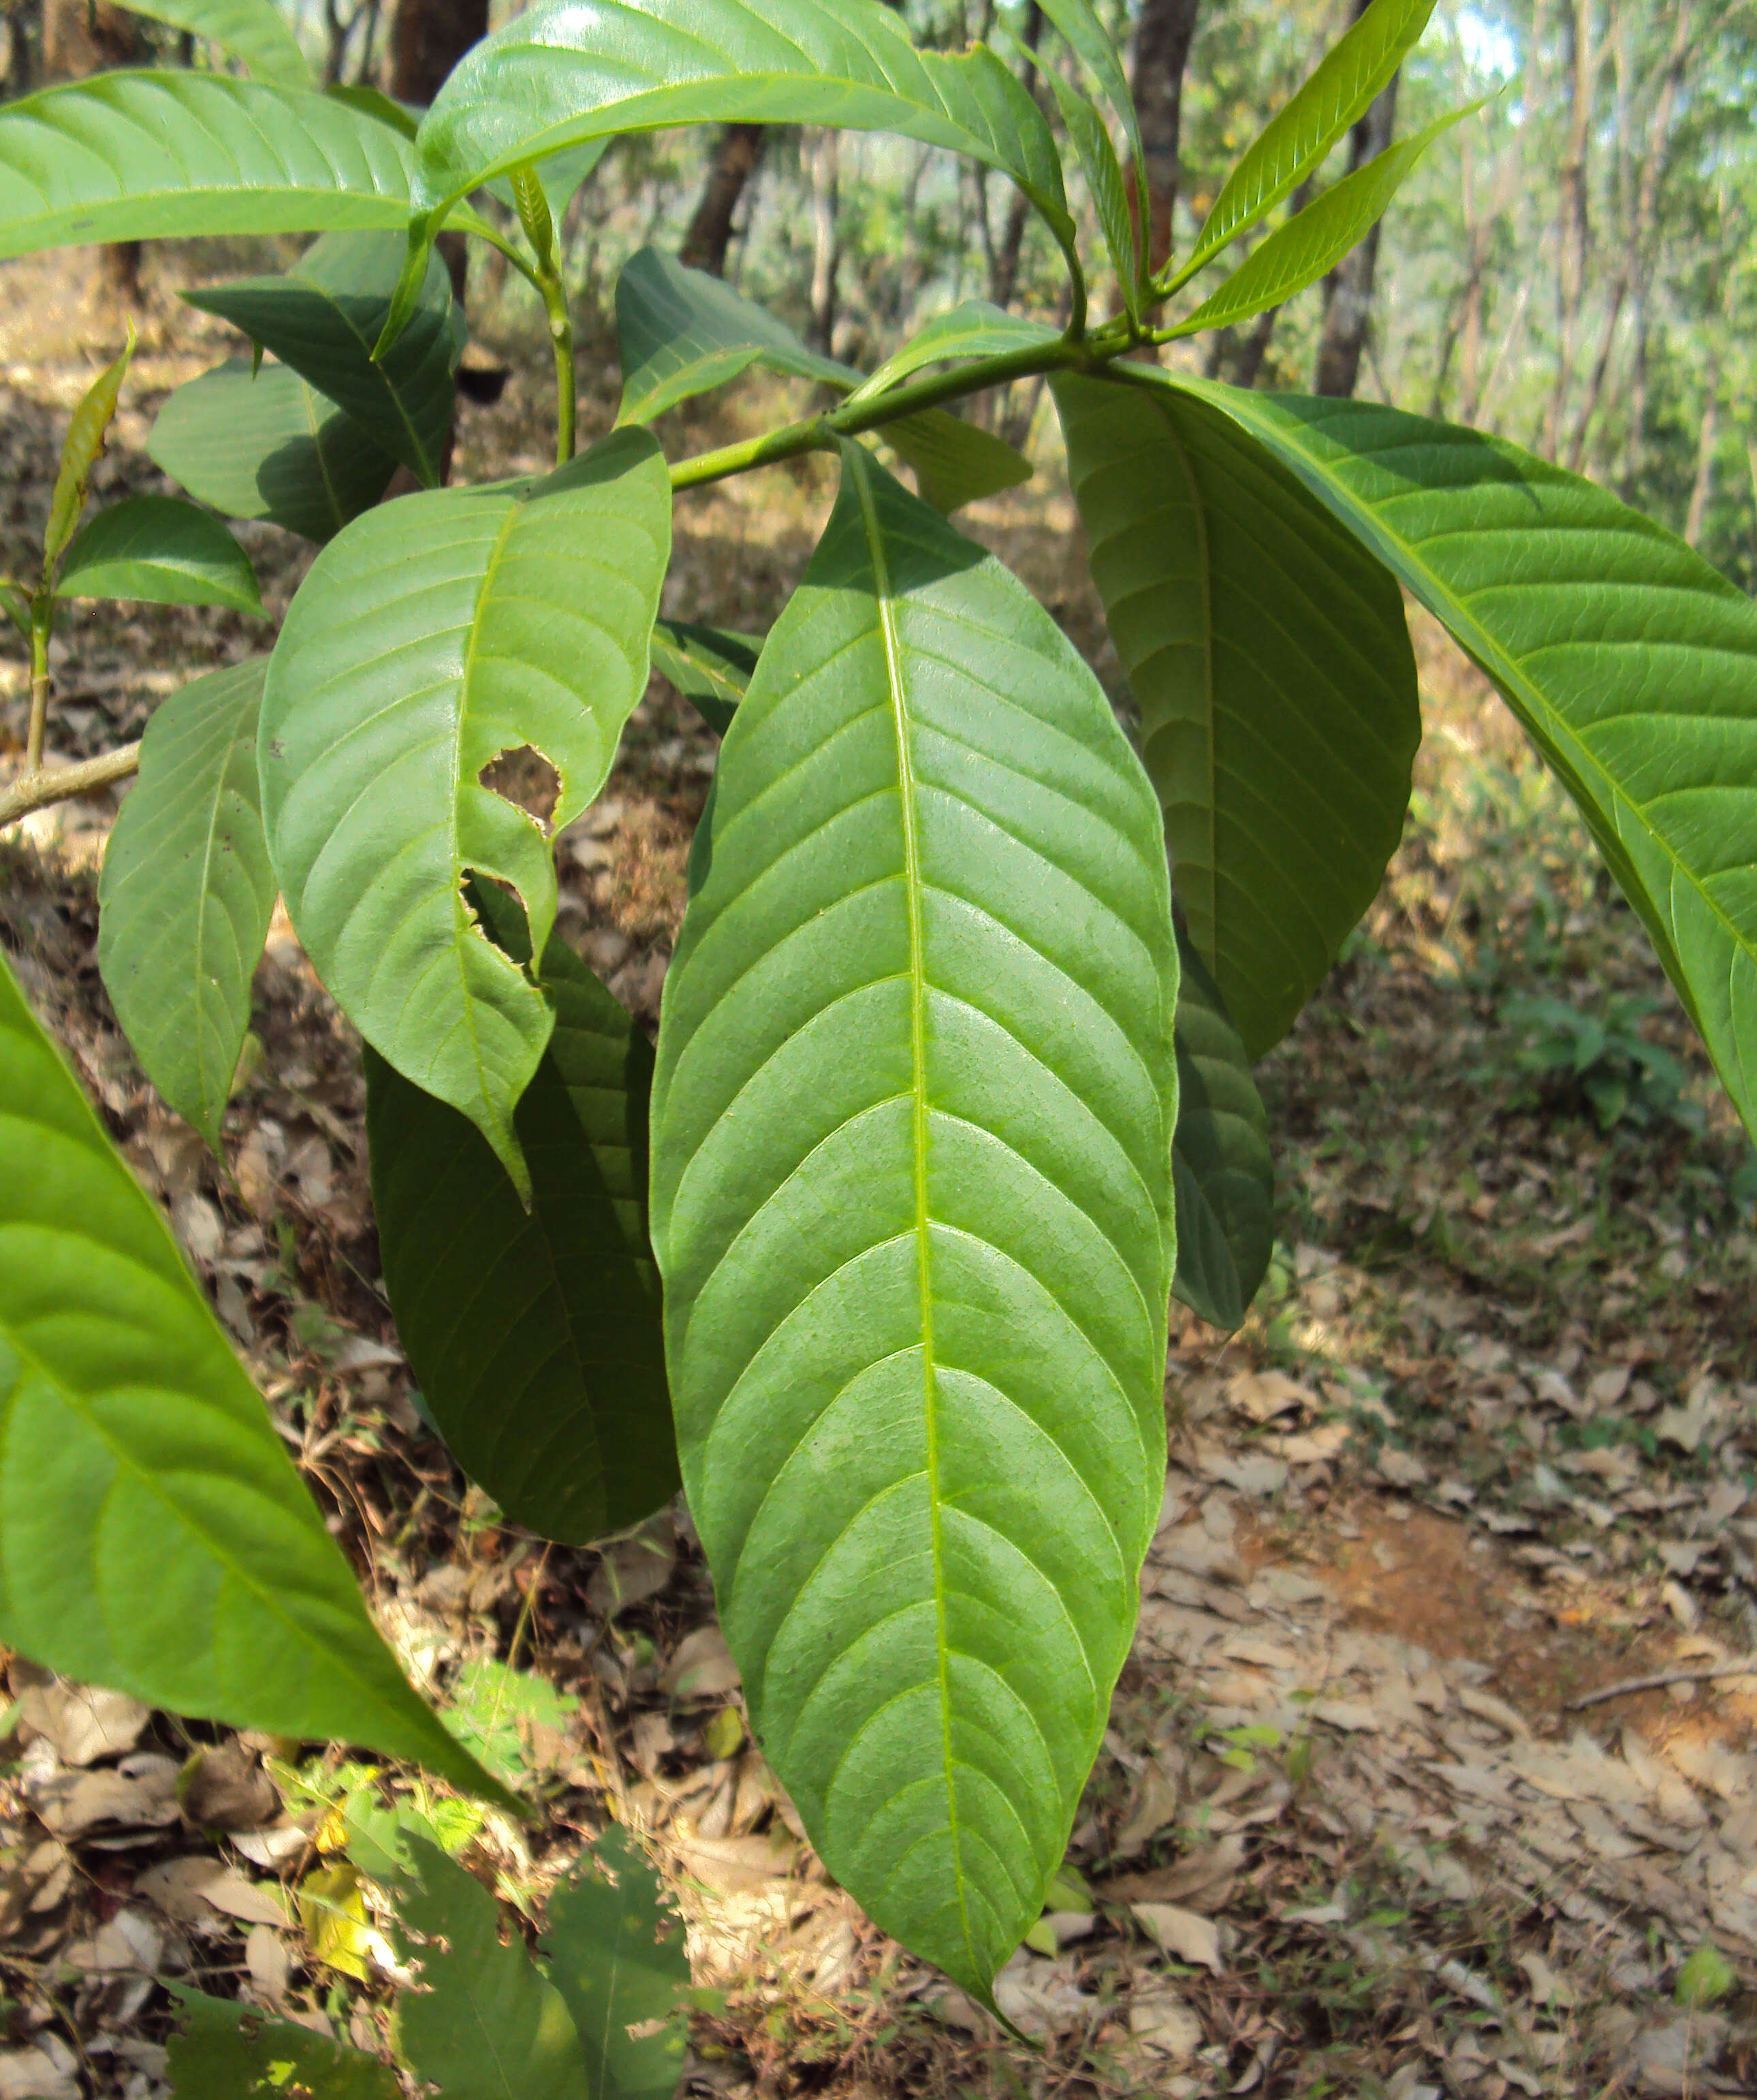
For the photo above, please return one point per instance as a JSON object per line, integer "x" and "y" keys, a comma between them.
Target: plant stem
{"x": 561, "y": 337}
{"x": 41, "y": 618}
{"x": 36, "y": 790}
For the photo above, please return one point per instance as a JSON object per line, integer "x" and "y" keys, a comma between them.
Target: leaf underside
{"x": 159, "y": 550}
{"x": 1271, "y": 658}
{"x": 1631, "y": 664}
{"x": 253, "y": 30}
{"x": 912, "y": 1122}
{"x": 709, "y": 666}
{"x": 154, "y": 1536}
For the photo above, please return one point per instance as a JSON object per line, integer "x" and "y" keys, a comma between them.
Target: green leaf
{"x": 975, "y": 329}
{"x": 616, "y": 1953}
{"x": 1221, "y": 1171}
{"x": 1104, "y": 178}
{"x": 1270, "y": 659}
{"x": 559, "y": 75}
{"x": 1705, "y": 1978}
{"x": 1078, "y": 22}
{"x": 559, "y": 176}
{"x": 489, "y": 1701}
{"x": 710, "y": 666}
{"x": 82, "y": 448}
{"x": 1298, "y": 137}
{"x": 162, "y": 550}
{"x": 322, "y": 318}
{"x": 402, "y": 117}
{"x": 268, "y": 445}
{"x": 187, "y": 893}
{"x": 487, "y": 2027}
{"x": 154, "y": 1536}
{"x": 253, "y": 30}
{"x": 1631, "y": 664}
{"x": 431, "y": 635}
{"x": 911, "y": 1200}
{"x": 536, "y": 1335}
{"x": 1315, "y": 240}
{"x": 955, "y": 462}
{"x": 222, "y": 2050}
{"x": 147, "y": 156}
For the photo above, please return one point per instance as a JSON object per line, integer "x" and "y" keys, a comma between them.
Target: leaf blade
{"x": 221, "y": 2049}
{"x": 253, "y": 30}
{"x": 163, "y": 551}
{"x": 605, "y": 1956}
{"x": 1221, "y": 1168}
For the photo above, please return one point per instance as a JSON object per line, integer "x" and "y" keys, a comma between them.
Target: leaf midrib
{"x": 860, "y": 473}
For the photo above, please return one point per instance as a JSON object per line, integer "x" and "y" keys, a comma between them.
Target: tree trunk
{"x": 81, "y": 37}
{"x": 1575, "y": 228}
{"x": 737, "y": 154}
{"x": 1348, "y": 288}
{"x": 1162, "y": 51}
{"x": 427, "y": 39}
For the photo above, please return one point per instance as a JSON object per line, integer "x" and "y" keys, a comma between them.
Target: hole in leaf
{"x": 526, "y": 779}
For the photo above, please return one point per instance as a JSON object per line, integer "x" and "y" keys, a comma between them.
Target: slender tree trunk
{"x": 1574, "y": 228}
{"x": 1706, "y": 446}
{"x": 81, "y": 37}
{"x": 427, "y": 39}
{"x": 737, "y": 155}
{"x": 1348, "y": 288}
{"x": 1163, "y": 37}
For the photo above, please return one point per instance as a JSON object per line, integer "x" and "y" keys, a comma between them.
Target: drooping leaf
{"x": 616, "y": 1953}
{"x": 536, "y": 1334}
{"x": 565, "y": 72}
{"x": 82, "y": 448}
{"x": 147, "y": 156}
{"x": 975, "y": 329}
{"x": 187, "y": 892}
{"x": 1270, "y": 659}
{"x": 1104, "y": 178}
{"x": 1296, "y": 140}
{"x": 487, "y": 2026}
{"x": 221, "y": 2049}
{"x": 911, "y": 1199}
{"x": 709, "y": 666}
{"x": 1314, "y": 241}
{"x": 1630, "y": 663}
{"x": 161, "y": 549}
{"x": 431, "y": 635}
{"x": 1221, "y": 1171}
{"x": 154, "y": 1536}
{"x": 253, "y": 30}
{"x": 268, "y": 445}
{"x": 322, "y": 318}
{"x": 1078, "y": 22}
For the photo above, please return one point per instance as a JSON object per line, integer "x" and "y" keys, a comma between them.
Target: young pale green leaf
{"x": 487, "y": 2026}
{"x": 186, "y": 893}
{"x": 149, "y": 156}
{"x": 710, "y": 666}
{"x": 535, "y": 1335}
{"x": 221, "y": 2049}
{"x": 431, "y": 635}
{"x": 1297, "y": 138}
{"x": 322, "y": 318}
{"x": 1631, "y": 664}
{"x": 1270, "y": 659}
{"x": 266, "y": 444}
{"x": 1104, "y": 178}
{"x": 975, "y": 329}
{"x": 912, "y": 1120}
{"x": 80, "y": 450}
{"x": 154, "y": 1536}
{"x": 253, "y": 30}
{"x": 1315, "y": 240}
{"x": 681, "y": 332}
{"x": 558, "y": 176}
{"x": 162, "y": 550}
{"x": 616, "y": 1953}
{"x": 573, "y": 70}
{"x": 1086, "y": 37}
{"x": 1221, "y": 1172}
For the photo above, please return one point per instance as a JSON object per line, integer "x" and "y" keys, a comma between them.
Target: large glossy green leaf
{"x": 221, "y": 2049}
{"x": 487, "y": 2026}
{"x": 709, "y": 666}
{"x": 162, "y": 550}
{"x": 142, "y": 155}
{"x": 430, "y": 636}
{"x": 1296, "y": 139}
{"x": 153, "y": 1533}
{"x": 911, "y": 1199}
{"x": 617, "y": 1955}
{"x": 1632, "y": 662}
{"x": 186, "y": 893}
{"x": 268, "y": 445}
{"x": 1314, "y": 241}
{"x": 1221, "y": 1171}
{"x": 535, "y": 1335}
{"x": 253, "y": 30}
{"x": 322, "y": 318}
{"x": 1270, "y": 659}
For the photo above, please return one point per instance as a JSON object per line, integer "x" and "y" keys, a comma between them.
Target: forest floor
{"x": 1372, "y": 1817}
